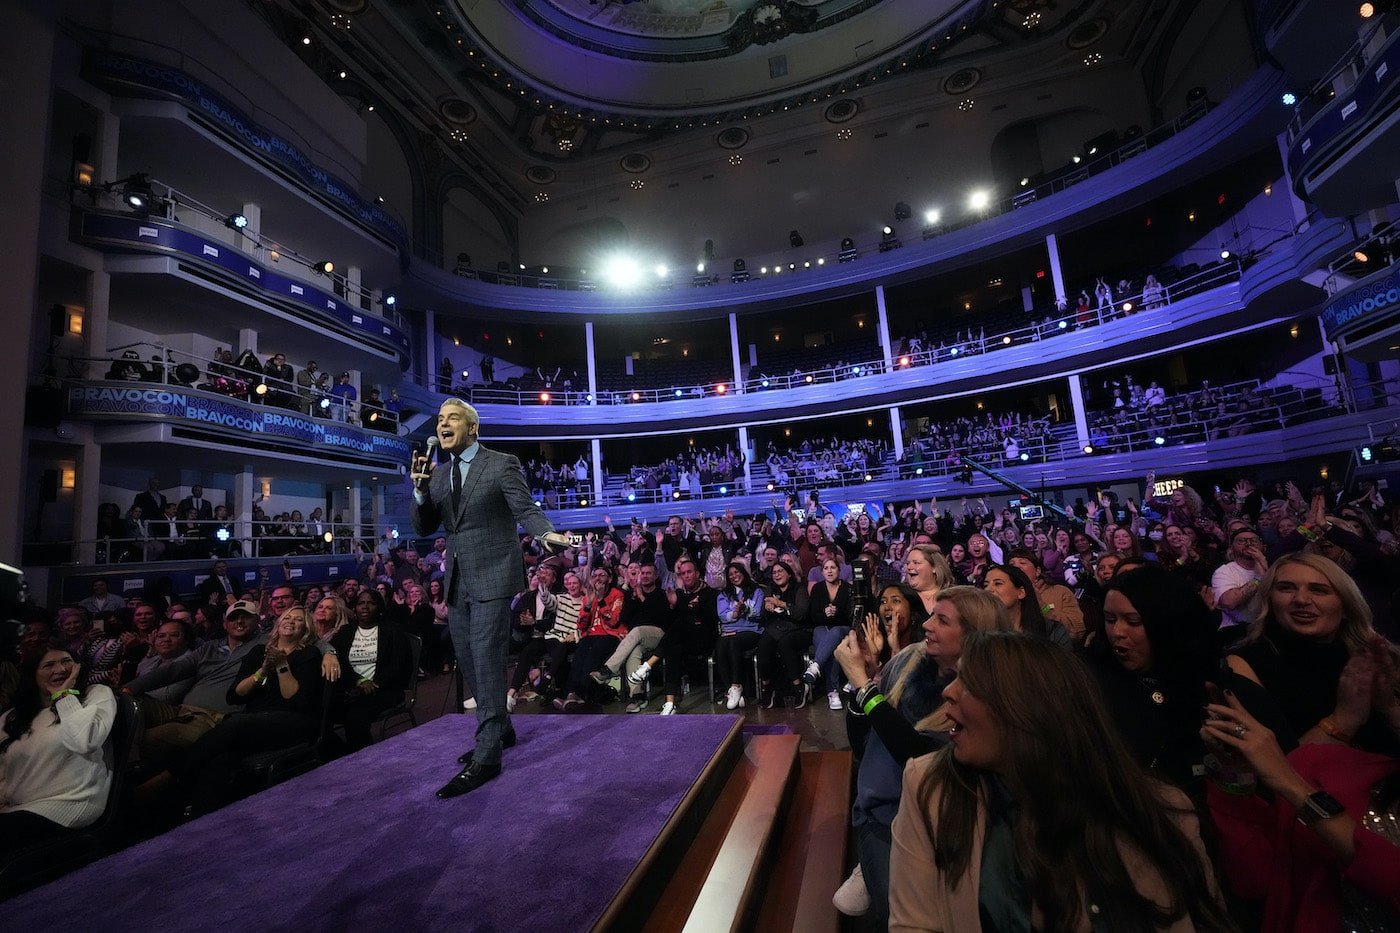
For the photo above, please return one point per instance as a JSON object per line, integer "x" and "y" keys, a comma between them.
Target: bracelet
{"x": 1329, "y": 725}
{"x": 863, "y": 695}
{"x": 1308, "y": 532}
{"x": 258, "y": 676}
{"x": 60, "y": 694}
{"x": 873, "y": 702}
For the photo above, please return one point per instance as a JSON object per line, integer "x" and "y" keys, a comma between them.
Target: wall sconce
{"x": 266, "y": 488}
{"x": 75, "y": 323}
{"x": 82, "y": 173}
{"x": 68, "y": 479}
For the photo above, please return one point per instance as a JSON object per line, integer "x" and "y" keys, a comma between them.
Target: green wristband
{"x": 70, "y": 692}
{"x": 873, "y": 702}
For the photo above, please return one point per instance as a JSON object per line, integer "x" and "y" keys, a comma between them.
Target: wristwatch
{"x": 1319, "y": 805}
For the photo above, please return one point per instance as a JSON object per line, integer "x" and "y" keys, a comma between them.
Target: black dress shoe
{"x": 507, "y": 741}
{"x": 471, "y": 777}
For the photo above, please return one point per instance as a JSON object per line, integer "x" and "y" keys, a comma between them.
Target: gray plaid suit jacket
{"x": 483, "y": 545}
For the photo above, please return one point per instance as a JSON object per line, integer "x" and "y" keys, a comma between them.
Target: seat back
{"x": 118, "y": 752}
{"x": 415, "y": 650}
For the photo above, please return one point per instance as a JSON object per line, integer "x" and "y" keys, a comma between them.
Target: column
{"x": 592, "y": 369}
{"x": 86, "y": 498}
{"x": 248, "y": 241}
{"x": 245, "y": 487}
{"x": 1076, "y": 401}
{"x": 27, "y": 30}
{"x": 884, "y": 324}
{"x": 377, "y": 509}
{"x": 352, "y": 287}
{"x": 430, "y": 367}
{"x": 597, "y": 451}
{"x": 734, "y": 352}
{"x": 1057, "y": 275}
{"x": 356, "y": 511}
{"x": 748, "y": 458}
{"x": 897, "y": 431}
{"x": 247, "y": 340}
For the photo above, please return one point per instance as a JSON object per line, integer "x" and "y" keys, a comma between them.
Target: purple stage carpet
{"x": 362, "y": 843}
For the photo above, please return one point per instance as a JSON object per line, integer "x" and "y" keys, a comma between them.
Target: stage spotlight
{"x": 1063, "y": 325}
{"x": 324, "y": 267}
{"x": 1289, "y": 98}
{"x": 918, "y": 471}
{"x": 675, "y": 494}
{"x": 1088, "y": 448}
{"x": 699, "y": 267}
{"x": 1224, "y": 253}
{"x": 1159, "y": 440}
{"x": 886, "y": 230}
{"x": 857, "y": 370}
{"x": 1077, "y": 159}
{"x": 724, "y": 490}
{"x": 465, "y": 373}
{"x": 636, "y": 396}
{"x": 236, "y": 221}
{"x": 679, "y": 393}
{"x": 662, "y": 271}
{"x": 583, "y": 502}
{"x": 771, "y": 487}
{"x": 740, "y": 273}
{"x": 902, "y": 211}
{"x": 260, "y": 389}
{"x": 821, "y": 261}
{"x": 325, "y": 404}
{"x": 373, "y": 417}
{"x": 622, "y": 272}
{"x": 1361, "y": 256}
{"x": 932, "y": 216}
{"x": 904, "y": 361}
{"x": 1127, "y": 306}
{"x": 391, "y": 300}
{"x": 763, "y": 383}
{"x": 952, "y": 351}
{"x": 848, "y": 250}
{"x": 979, "y": 200}
{"x": 222, "y": 534}
{"x": 795, "y": 239}
{"x": 721, "y": 389}
{"x": 1025, "y": 457}
{"x": 631, "y": 497}
{"x": 544, "y": 397}
{"x": 538, "y": 503}
{"x": 889, "y": 239}
{"x": 809, "y": 378}
{"x": 763, "y": 271}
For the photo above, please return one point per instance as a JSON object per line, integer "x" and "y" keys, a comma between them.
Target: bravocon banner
{"x": 116, "y": 72}
{"x": 158, "y": 236}
{"x": 231, "y": 417}
{"x": 1373, "y": 297}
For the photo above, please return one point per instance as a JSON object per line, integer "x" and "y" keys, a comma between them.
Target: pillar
{"x": 86, "y": 498}
{"x": 377, "y": 510}
{"x": 734, "y": 351}
{"x": 356, "y": 511}
{"x": 1076, "y": 401}
{"x": 352, "y": 287}
{"x": 748, "y": 458}
{"x": 430, "y": 357}
{"x": 248, "y": 240}
{"x": 1057, "y": 275}
{"x": 596, "y": 448}
{"x": 245, "y": 488}
{"x": 897, "y": 431}
{"x": 592, "y": 371}
{"x": 884, "y": 323}
{"x": 248, "y": 340}
{"x": 27, "y": 30}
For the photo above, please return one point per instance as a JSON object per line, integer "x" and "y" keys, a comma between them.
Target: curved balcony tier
{"x": 1244, "y": 123}
{"x": 1266, "y": 293}
{"x": 192, "y": 257}
{"x": 137, "y": 413}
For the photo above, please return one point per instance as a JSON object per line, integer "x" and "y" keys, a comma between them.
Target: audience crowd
{"x": 1181, "y": 711}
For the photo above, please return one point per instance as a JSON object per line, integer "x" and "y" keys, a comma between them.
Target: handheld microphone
{"x": 432, "y": 447}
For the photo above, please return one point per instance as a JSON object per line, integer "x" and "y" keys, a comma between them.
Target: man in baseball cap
{"x": 208, "y": 673}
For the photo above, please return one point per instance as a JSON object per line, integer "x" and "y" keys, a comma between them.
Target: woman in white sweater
{"x": 53, "y": 776}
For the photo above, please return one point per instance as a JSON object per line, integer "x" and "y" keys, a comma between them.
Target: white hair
{"x": 472, "y": 417}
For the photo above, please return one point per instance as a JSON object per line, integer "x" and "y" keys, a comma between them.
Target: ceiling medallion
{"x": 734, "y": 137}
{"x": 962, "y": 81}
{"x": 457, "y": 111}
{"x": 635, "y": 163}
{"x": 1087, "y": 33}
{"x": 842, "y": 110}
{"x": 541, "y": 174}
{"x": 350, "y": 7}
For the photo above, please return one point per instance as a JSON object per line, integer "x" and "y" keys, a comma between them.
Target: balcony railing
{"x": 1050, "y": 323}
{"x": 195, "y": 541}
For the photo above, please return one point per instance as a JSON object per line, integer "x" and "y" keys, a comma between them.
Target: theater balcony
{"x": 1224, "y": 299}
{"x": 1201, "y": 139}
{"x": 1346, "y": 128}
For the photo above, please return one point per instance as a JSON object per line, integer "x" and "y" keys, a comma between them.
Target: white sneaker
{"x": 735, "y": 698}
{"x": 852, "y": 899}
{"x": 510, "y": 703}
{"x": 639, "y": 676}
{"x": 833, "y": 699}
{"x": 668, "y": 709}
{"x": 469, "y": 703}
{"x": 812, "y": 674}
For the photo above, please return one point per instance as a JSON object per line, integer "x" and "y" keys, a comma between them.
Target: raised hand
{"x": 421, "y": 470}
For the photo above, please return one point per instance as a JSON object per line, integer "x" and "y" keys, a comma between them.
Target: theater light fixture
{"x": 328, "y": 537}
{"x": 373, "y": 417}
{"x": 724, "y": 490}
{"x": 1127, "y": 306}
{"x": 932, "y": 216}
{"x": 675, "y": 494}
{"x": 583, "y": 502}
{"x": 1224, "y": 253}
{"x": 867, "y": 477}
{"x": 979, "y": 200}
{"x": 1025, "y": 457}
{"x": 1360, "y": 256}
{"x": 622, "y": 272}
{"x": 918, "y": 471}
{"x": 1289, "y": 98}
{"x": 1159, "y": 440}
{"x": 137, "y": 193}
{"x": 236, "y": 221}
{"x": 631, "y": 497}
{"x": 260, "y": 389}
{"x": 1006, "y": 341}
{"x": 324, "y": 267}
{"x": 391, "y": 300}
{"x": 661, "y": 271}
{"x": 721, "y": 389}
{"x": 771, "y": 487}
{"x": 325, "y": 403}
{"x": 1088, "y": 448}
{"x": 544, "y": 397}
{"x": 886, "y": 230}
{"x": 699, "y": 267}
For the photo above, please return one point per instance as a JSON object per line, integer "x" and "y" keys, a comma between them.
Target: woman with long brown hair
{"x": 1036, "y": 816}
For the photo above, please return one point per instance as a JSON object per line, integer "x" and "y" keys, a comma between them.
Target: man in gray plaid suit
{"x": 478, "y": 497}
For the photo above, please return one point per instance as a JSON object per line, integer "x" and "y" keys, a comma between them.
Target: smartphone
{"x": 1032, "y": 513}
